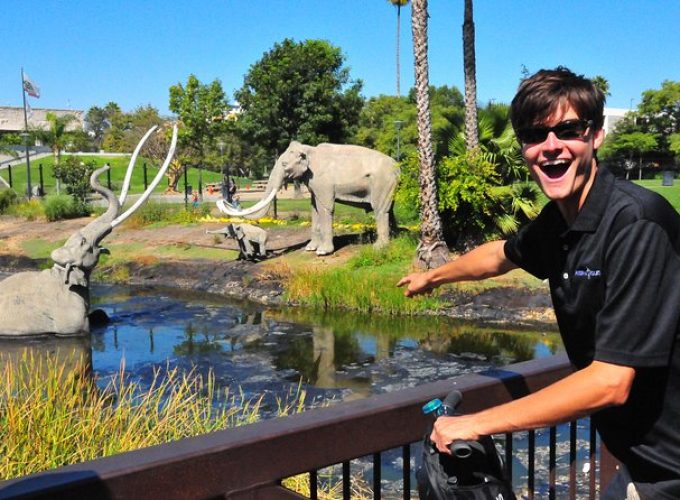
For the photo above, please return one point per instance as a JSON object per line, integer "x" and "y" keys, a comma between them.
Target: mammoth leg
{"x": 325, "y": 229}
{"x": 316, "y": 235}
{"x": 382, "y": 222}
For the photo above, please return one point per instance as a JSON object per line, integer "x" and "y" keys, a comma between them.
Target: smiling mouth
{"x": 555, "y": 169}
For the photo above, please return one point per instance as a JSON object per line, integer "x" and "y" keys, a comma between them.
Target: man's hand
{"x": 449, "y": 429}
{"x": 417, "y": 284}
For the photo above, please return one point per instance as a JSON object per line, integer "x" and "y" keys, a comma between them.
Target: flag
{"x": 30, "y": 87}
{"x": 29, "y": 111}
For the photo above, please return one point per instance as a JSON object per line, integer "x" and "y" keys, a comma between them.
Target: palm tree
{"x": 56, "y": 136}
{"x": 398, "y": 4}
{"x": 432, "y": 250}
{"x": 471, "y": 132}
{"x": 602, "y": 83}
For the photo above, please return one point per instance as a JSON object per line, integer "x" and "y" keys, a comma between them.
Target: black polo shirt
{"x": 615, "y": 284}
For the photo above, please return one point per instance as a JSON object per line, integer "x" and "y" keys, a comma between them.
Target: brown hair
{"x": 545, "y": 92}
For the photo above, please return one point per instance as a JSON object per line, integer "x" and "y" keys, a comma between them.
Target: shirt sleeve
{"x": 638, "y": 322}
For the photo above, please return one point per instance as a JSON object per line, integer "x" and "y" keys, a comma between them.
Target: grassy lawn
{"x": 671, "y": 193}
{"x": 118, "y": 167}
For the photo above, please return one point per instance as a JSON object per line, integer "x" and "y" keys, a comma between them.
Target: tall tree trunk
{"x": 432, "y": 251}
{"x": 398, "y": 35}
{"x": 471, "y": 131}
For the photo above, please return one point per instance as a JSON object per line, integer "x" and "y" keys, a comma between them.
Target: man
{"x": 611, "y": 253}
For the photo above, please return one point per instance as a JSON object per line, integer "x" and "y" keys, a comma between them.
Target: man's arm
{"x": 485, "y": 261}
{"x": 597, "y": 386}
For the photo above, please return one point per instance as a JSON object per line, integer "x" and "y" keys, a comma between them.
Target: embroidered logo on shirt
{"x": 588, "y": 273}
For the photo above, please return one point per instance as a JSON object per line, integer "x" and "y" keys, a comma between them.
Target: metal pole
{"x": 200, "y": 182}
{"x": 146, "y": 183}
{"x": 9, "y": 172}
{"x": 108, "y": 177}
{"x": 42, "y": 184}
{"x": 186, "y": 194}
{"x": 28, "y": 160}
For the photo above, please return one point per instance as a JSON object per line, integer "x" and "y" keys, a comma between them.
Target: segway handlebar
{"x": 459, "y": 447}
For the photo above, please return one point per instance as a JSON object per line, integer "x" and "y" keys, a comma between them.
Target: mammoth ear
{"x": 303, "y": 155}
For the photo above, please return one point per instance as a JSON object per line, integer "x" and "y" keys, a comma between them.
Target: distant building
{"x": 12, "y": 119}
{"x": 611, "y": 117}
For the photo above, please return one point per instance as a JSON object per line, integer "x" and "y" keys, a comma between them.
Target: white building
{"x": 611, "y": 117}
{"x": 12, "y": 119}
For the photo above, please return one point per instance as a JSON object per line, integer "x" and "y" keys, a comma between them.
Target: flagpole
{"x": 28, "y": 160}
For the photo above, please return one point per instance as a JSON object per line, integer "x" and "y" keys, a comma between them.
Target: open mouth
{"x": 555, "y": 169}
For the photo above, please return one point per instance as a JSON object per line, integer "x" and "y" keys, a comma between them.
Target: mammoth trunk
{"x": 261, "y": 207}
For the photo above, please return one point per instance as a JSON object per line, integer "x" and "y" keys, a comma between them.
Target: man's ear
{"x": 598, "y": 139}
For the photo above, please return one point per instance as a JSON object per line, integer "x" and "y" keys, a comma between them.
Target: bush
{"x": 473, "y": 204}
{"x": 8, "y": 197}
{"x": 76, "y": 175}
{"x": 58, "y": 207}
{"x": 30, "y": 210}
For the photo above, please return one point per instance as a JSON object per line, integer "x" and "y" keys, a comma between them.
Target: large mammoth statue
{"x": 352, "y": 175}
{"x": 57, "y": 300}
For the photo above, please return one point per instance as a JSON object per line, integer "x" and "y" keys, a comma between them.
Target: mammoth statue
{"x": 248, "y": 237}
{"x": 352, "y": 175}
{"x": 57, "y": 300}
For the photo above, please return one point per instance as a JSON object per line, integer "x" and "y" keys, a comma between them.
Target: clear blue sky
{"x": 89, "y": 52}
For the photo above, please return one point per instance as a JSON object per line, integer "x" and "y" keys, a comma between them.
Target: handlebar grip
{"x": 460, "y": 449}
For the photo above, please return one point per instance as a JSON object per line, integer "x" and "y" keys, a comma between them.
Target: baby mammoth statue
{"x": 252, "y": 240}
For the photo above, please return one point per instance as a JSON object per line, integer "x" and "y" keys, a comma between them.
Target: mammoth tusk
{"x": 131, "y": 165}
{"x": 247, "y": 211}
{"x": 154, "y": 182}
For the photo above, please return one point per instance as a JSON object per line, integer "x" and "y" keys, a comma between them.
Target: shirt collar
{"x": 591, "y": 212}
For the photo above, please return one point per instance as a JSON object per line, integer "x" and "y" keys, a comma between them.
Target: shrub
{"x": 58, "y": 207}
{"x": 30, "y": 210}
{"x": 76, "y": 175}
{"x": 8, "y": 197}
{"x": 473, "y": 203}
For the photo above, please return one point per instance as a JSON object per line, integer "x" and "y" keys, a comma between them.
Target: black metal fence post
{"x": 9, "y": 174}
{"x": 42, "y": 183}
{"x": 108, "y": 177}
{"x": 146, "y": 183}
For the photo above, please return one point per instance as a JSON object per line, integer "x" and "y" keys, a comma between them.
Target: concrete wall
{"x": 12, "y": 119}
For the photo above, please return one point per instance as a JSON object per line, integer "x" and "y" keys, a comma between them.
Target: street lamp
{"x": 398, "y": 124}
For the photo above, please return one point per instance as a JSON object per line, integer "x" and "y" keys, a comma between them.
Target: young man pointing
{"x": 611, "y": 252}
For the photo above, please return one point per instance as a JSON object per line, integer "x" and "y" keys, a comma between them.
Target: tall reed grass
{"x": 367, "y": 283}
{"x": 53, "y": 413}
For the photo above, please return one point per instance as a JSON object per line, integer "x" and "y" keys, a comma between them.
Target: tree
{"x": 601, "y": 83}
{"x": 471, "y": 131}
{"x": 635, "y": 142}
{"x": 298, "y": 91}
{"x": 398, "y": 4}
{"x": 432, "y": 251}
{"x": 76, "y": 175}
{"x": 202, "y": 110}
{"x": 96, "y": 122}
{"x": 56, "y": 137}
{"x": 661, "y": 108}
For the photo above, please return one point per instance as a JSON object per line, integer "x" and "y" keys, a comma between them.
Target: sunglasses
{"x": 564, "y": 131}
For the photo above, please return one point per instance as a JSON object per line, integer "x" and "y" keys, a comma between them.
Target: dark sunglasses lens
{"x": 532, "y": 135}
{"x": 570, "y": 130}
{"x": 567, "y": 130}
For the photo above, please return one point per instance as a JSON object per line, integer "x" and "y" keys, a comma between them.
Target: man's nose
{"x": 551, "y": 142}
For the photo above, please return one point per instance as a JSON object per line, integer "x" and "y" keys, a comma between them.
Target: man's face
{"x": 562, "y": 167}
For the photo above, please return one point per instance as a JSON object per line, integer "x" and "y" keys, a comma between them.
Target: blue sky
{"x": 86, "y": 53}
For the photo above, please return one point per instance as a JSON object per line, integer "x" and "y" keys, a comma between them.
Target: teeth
{"x": 554, "y": 163}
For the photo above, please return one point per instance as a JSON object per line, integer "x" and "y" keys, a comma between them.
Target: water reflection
{"x": 255, "y": 349}
{"x": 47, "y": 351}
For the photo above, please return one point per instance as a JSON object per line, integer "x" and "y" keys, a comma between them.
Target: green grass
{"x": 671, "y": 193}
{"x": 366, "y": 282}
{"x": 118, "y": 168}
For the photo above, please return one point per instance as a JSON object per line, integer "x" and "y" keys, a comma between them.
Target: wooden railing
{"x": 249, "y": 462}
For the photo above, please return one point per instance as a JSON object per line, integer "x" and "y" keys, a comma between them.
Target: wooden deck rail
{"x": 248, "y": 462}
